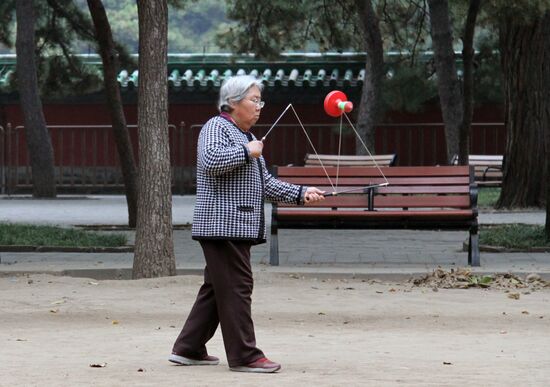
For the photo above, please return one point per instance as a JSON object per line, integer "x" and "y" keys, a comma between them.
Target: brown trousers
{"x": 224, "y": 298}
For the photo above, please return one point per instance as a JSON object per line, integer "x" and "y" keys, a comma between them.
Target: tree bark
{"x": 39, "y": 143}
{"x": 468, "y": 96}
{"x": 450, "y": 95}
{"x": 546, "y": 81}
{"x": 371, "y": 95}
{"x": 109, "y": 57}
{"x": 154, "y": 251}
{"x": 525, "y": 56}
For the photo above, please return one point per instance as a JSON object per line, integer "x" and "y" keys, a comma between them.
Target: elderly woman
{"x": 232, "y": 183}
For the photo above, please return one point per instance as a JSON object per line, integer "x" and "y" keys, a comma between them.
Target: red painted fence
{"x": 86, "y": 159}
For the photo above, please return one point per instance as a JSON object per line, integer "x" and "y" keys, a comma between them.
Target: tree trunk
{"x": 109, "y": 57}
{"x": 39, "y": 143}
{"x": 525, "y": 56}
{"x": 154, "y": 251}
{"x": 468, "y": 62}
{"x": 546, "y": 81}
{"x": 447, "y": 82}
{"x": 371, "y": 95}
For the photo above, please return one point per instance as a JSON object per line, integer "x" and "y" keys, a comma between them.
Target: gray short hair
{"x": 234, "y": 89}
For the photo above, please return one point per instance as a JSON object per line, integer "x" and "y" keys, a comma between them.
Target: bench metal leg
{"x": 274, "y": 244}
{"x": 473, "y": 248}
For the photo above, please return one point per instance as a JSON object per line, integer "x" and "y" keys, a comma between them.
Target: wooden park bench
{"x": 430, "y": 198}
{"x": 313, "y": 160}
{"x": 488, "y": 169}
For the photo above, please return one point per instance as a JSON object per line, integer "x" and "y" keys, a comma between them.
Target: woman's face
{"x": 246, "y": 112}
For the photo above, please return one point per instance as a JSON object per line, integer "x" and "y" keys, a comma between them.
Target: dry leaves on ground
{"x": 463, "y": 278}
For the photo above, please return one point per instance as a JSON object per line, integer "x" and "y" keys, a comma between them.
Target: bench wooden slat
{"x": 374, "y": 172}
{"x": 362, "y": 181}
{"x": 394, "y": 189}
{"x": 327, "y": 214}
{"x": 386, "y": 160}
{"x": 399, "y": 201}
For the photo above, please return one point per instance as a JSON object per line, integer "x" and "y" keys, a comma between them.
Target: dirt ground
{"x": 325, "y": 332}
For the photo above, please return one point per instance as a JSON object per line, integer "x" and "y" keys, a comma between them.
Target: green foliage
{"x": 192, "y": 25}
{"x": 514, "y": 236}
{"x": 31, "y": 235}
{"x": 522, "y": 11}
{"x": 408, "y": 88}
{"x": 268, "y": 27}
{"x": 7, "y": 17}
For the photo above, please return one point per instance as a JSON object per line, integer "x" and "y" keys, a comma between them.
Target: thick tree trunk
{"x": 447, "y": 82}
{"x": 39, "y": 143}
{"x": 109, "y": 57}
{"x": 546, "y": 81}
{"x": 468, "y": 62}
{"x": 525, "y": 56}
{"x": 154, "y": 251}
{"x": 371, "y": 95}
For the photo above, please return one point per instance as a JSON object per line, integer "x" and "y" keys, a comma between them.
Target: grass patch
{"x": 488, "y": 196}
{"x": 29, "y": 235}
{"x": 514, "y": 236}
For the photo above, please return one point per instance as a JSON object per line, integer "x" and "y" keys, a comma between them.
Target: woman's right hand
{"x": 255, "y": 148}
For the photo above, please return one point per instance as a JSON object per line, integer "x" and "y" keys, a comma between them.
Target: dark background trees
{"x": 39, "y": 143}
{"x": 111, "y": 67}
{"x": 525, "y": 65}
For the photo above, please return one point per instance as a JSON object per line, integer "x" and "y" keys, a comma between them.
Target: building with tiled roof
{"x": 203, "y": 73}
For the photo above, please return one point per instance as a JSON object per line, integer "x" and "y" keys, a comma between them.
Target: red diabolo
{"x": 336, "y": 103}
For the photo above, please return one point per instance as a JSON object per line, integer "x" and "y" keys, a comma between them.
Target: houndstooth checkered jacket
{"x": 231, "y": 186}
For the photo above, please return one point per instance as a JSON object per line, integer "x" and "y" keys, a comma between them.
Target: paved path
{"x": 359, "y": 252}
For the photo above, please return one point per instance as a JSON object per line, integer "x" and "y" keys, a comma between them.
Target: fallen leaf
{"x": 321, "y": 314}
{"x": 54, "y": 310}
{"x": 98, "y": 365}
{"x": 392, "y": 290}
{"x": 114, "y": 322}
{"x": 525, "y": 312}
{"x": 26, "y": 339}
{"x": 514, "y": 296}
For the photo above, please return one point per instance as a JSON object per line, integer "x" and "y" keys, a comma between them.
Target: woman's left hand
{"x": 313, "y": 194}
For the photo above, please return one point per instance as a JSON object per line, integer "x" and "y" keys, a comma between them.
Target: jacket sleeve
{"x": 280, "y": 191}
{"x": 215, "y": 153}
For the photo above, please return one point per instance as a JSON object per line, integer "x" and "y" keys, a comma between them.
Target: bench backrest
{"x": 387, "y": 160}
{"x": 409, "y": 187}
